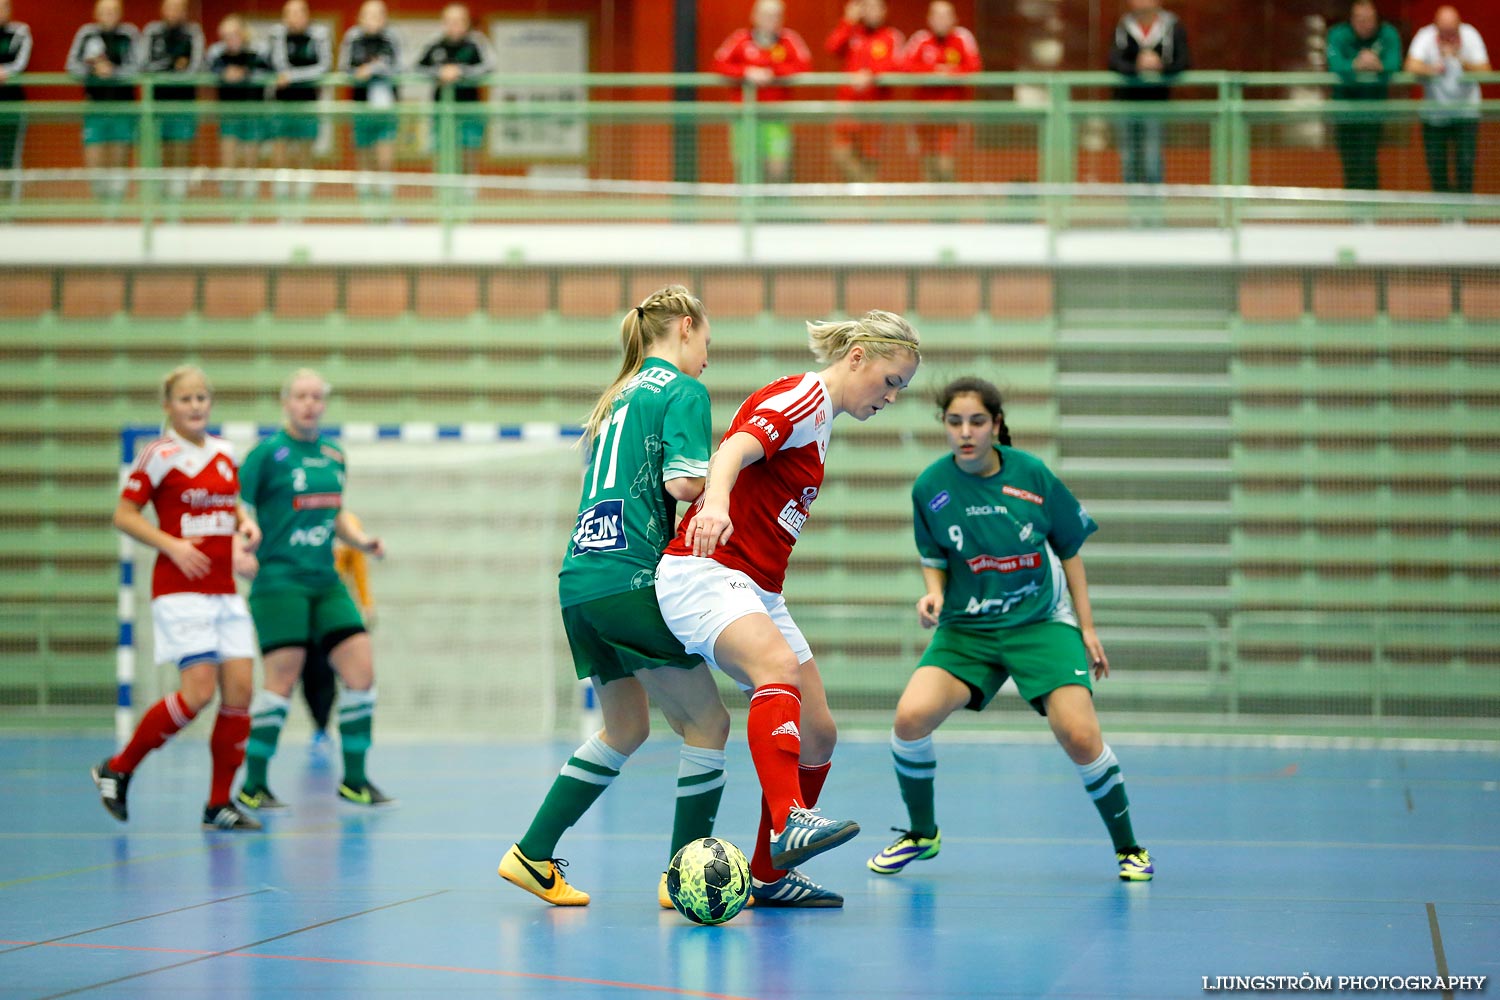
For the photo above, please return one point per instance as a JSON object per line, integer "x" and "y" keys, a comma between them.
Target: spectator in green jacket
{"x": 1364, "y": 52}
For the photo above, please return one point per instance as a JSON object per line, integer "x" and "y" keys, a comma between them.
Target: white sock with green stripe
{"x": 916, "y": 773}
{"x": 582, "y": 780}
{"x": 267, "y": 716}
{"x": 700, "y": 786}
{"x": 1106, "y": 786}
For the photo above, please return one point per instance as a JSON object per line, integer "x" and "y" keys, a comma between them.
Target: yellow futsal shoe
{"x": 541, "y": 878}
{"x": 1135, "y": 864}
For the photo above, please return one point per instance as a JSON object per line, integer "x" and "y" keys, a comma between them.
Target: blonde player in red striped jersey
{"x": 719, "y": 583}
{"x": 201, "y": 624}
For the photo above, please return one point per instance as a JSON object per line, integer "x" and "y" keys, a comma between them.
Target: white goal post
{"x": 467, "y": 636}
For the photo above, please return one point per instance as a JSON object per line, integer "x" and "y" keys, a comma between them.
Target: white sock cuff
{"x": 349, "y": 698}
{"x": 596, "y": 751}
{"x": 268, "y": 701}
{"x": 1098, "y": 766}
{"x": 699, "y": 760}
{"x": 914, "y": 750}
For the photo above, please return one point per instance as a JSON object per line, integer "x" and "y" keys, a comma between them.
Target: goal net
{"x": 467, "y": 637}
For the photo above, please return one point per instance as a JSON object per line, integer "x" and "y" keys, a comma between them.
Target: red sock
{"x": 157, "y": 726}
{"x": 812, "y": 779}
{"x": 227, "y": 745}
{"x": 775, "y": 711}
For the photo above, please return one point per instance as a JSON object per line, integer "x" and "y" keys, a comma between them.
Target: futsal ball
{"x": 709, "y": 880}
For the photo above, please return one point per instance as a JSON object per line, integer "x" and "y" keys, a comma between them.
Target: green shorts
{"x": 613, "y": 637}
{"x": 178, "y": 126}
{"x": 108, "y": 128}
{"x": 1041, "y": 657}
{"x": 299, "y": 127}
{"x": 243, "y": 128}
{"x": 773, "y": 140}
{"x": 372, "y": 128}
{"x": 301, "y": 616}
{"x": 470, "y": 127}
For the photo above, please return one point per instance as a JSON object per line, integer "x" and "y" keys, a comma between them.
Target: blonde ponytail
{"x": 641, "y": 328}
{"x": 880, "y": 333}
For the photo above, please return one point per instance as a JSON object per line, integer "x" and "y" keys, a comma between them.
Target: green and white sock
{"x": 356, "y": 724}
{"x": 582, "y": 780}
{"x": 267, "y": 716}
{"x": 700, "y": 786}
{"x": 916, "y": 773}
{"x": 1105, "y": 785}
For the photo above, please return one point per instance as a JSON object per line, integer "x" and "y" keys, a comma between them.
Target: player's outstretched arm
{"x": 346, "y": 526}
{"x": 1078, "y": 589}
{"x": 711, "y": 526}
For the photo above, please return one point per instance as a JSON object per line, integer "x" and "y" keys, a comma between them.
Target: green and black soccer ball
{"x": 709, "y": 880}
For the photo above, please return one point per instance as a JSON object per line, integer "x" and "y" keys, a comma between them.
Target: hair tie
{"x": 640, "y": 312}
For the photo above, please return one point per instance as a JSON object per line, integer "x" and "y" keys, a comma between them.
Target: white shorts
{"x": 202, "y": 628}
{"x": 700, "y": 598}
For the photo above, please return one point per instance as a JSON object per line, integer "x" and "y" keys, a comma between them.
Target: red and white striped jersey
{"x": 195, "y": 489}
{"x": 772, "y": 498}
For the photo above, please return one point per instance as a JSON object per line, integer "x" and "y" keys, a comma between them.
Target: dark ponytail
{"x": 989, "y": 398}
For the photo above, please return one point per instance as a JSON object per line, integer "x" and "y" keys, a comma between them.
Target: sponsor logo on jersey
{"x": 1005, "y": 564}
{"x": 317, "y": 501}
{"x": 137, "y": 481}
{"x": 938, "y": 502}
{"x": 985, "y": 510}
{"x": 224, "y": 469}
{"x": 1003, "y": 603}
{"x": 1026, "y": 531}
{"x": 199, "y": 497}
{"x": 601, "y": 528}
{"x": 654, "y": 379}
{"x": 1027, "y": 495}
{"x": 314, "y": 462}
{"x": 794, "y": 515}
{"x": 218, "y": 522}
{"x": 280, "y": 454}
{"x": 331, "y": 453}
{"x": 821, "y": 418}
{"x": 766, "y": 427}
{"x": 317, "y": 536}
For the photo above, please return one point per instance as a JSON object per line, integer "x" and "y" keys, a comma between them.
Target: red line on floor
{"x": 414, "y": 966}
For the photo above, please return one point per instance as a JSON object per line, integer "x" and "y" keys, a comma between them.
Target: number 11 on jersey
{"x": 617, "y": 422}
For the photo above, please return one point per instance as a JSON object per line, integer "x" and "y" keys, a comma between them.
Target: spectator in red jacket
{"x": 942, "y": 48}
{"x": 762, "y": 54}
{"x": 866, "y": 46}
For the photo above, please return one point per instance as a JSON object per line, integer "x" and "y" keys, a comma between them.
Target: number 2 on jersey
{"x": 617, "y": 422}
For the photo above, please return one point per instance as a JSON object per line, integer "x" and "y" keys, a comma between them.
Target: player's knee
{"x": 626, "y": 736}
{"x": 913, "y": 721}
{"x": 197, "y": 691}
{"x": 710, "y": 729}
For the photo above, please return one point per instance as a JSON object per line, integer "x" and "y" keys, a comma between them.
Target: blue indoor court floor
{"x": 1271, "y": 860}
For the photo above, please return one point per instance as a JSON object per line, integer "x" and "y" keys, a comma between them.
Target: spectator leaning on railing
{"x": 456, "y": 59}
{"x": 174, "y": 46}
{"x": 1445, "y": 52}
{"x": 1363, "y": 52}
{"x": 300, "y": 53}
{"x": 763, "y": 54}
{"x": 243, "y": 73}
{"x": 865, "y": 45}
{"x": 104, "y": 55}
{"x": 1148, "y": 42}
{"x": 15, "y": 52}
{"x": 371, "y": 53}
{"x": 945, "y": 49}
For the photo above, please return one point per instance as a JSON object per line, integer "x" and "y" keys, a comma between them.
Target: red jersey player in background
{"x": 719, "y": 583}
{"x": 762, "y": 54}
{"x": 200, "y": 623}
{"x": 945, "y": 49}
{"x": 865, "y": 45}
